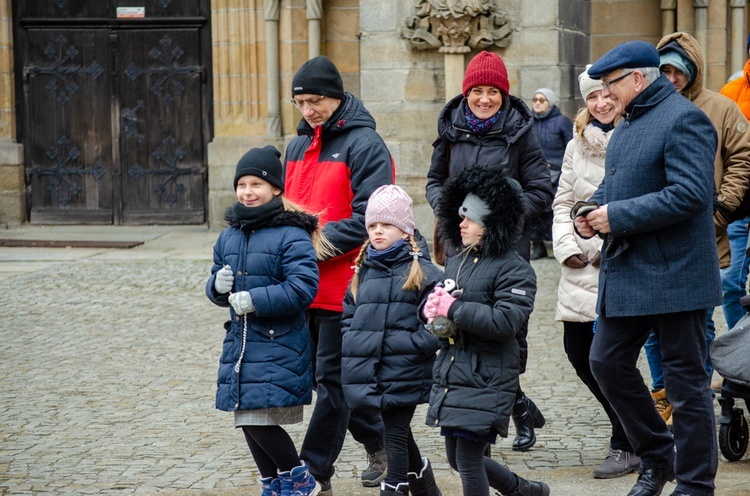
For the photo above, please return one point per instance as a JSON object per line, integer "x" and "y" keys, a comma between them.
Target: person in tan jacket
{"x": 681, "y": 62}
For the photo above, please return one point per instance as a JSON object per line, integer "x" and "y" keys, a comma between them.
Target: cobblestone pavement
{"x": 109, "y": 358}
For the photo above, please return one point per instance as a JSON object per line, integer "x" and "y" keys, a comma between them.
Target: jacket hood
{"x": 688, "y": 47}
{"x": 350, "y": 114}
{"x": 502, "y": 195}
{"x": 303, "y": 220}
{"x": 515, "y": 121}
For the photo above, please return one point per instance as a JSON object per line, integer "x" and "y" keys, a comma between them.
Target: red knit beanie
{"x": 486, "y": 69}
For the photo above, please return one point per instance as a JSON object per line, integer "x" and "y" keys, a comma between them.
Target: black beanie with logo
{"x": 263, "y": 163}
{"x": 318, "y": 76}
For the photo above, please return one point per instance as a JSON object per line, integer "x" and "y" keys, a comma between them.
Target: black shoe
{"x": 530, "y": 488}
{"x": 526, "y": 417}
{"x": 538, "y": 250}
{"x": 652, "y": 480}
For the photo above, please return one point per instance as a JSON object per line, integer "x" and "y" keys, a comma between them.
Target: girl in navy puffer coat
{"x": 387, "y": 354}
{"x": 265, "y": 269}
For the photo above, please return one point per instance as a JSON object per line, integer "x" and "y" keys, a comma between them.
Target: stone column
{"x": 454, "y": 74}
{"x": 243, "y": 112}
{"x": 668, "y": 14}
{"x": 12, "y": 179}
{"x": 314, "y": 13}
{"x": 701, "y": 26}
{"x": 273, "y": 112}
{"x": 738, "y": 44}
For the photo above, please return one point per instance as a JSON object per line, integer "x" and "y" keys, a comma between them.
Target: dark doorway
{"x": 115, "y": 113}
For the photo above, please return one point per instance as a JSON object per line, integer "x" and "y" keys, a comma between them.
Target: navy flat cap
{"x": 628, "y": 55}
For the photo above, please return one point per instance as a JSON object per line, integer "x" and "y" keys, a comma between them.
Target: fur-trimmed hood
{"x": 303, "y": 220}
{"x": 504, "y": 198}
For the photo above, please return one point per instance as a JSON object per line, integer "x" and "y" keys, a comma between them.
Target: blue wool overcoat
{"x": 658, "y": 187}
{"x": 278, "y": 266}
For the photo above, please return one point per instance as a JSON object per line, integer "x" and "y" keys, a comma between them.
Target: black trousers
{"x": 403, "y": 452}
{"x": 682, "y": 336}
{"x": 577, "y": 338}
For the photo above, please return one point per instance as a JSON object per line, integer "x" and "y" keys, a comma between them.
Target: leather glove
{"x": 442, "y": 301}
{"x": 224, "y": 280}
{"x": 242, "y": 302}
{"x": 576, "y": 261}
{"x": 597, "y": 260}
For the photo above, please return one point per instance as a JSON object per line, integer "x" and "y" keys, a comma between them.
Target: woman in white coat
{"x": 582, "y": 171}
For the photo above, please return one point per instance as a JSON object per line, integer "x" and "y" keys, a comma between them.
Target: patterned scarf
{"x": 479, "y": 126}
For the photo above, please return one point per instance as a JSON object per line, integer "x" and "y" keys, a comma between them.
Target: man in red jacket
{"x": 332, "y": 168}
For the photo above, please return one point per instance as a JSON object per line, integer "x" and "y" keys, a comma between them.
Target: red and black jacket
{"x": 331, "y": 171}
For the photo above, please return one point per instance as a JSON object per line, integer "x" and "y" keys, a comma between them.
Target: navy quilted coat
{"x": 387, "y": 353}
{"x": 277, "y": 265}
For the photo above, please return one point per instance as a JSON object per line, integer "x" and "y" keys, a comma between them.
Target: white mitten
{"x": 242, "y": 302}
{"x": 224, "y": 280}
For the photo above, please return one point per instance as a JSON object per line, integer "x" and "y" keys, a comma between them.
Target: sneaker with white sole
{"x": 617, "y": 464}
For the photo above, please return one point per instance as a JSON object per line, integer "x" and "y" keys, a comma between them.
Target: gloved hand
{"x": 242, "y": 302}
{"x": 597, "y": 260}
{"x": 442, "y": 300}
{"x": 224, "y": 280}
{"x": 576, "y": 261}
{"x": 429, "y": 311}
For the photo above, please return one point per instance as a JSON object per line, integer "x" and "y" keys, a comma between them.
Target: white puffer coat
{"x": 582, "y": 171}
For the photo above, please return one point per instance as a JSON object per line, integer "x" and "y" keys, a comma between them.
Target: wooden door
{"x": 115, "y": 111}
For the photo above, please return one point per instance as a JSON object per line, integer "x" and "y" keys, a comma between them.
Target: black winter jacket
{"x": 387, "y": 353}
{"x": 509, "y": 146}
{"x": 476, "y": 372}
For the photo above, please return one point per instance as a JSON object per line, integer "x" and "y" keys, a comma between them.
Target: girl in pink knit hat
{"x": 387, "y": 355}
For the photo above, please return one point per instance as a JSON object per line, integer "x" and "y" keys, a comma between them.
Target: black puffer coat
{"x": 387, "y": 353}
{"x": 476, "y": 373}
{"x": 509, "y": 146}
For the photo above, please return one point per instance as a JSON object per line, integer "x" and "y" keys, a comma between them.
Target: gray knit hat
{"x": 390, "y": 204}
{"x": 550, "y": 95}
{"x": 474, "y": 208}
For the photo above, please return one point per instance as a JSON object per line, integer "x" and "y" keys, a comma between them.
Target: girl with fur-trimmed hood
{"x": 491, "y": 295}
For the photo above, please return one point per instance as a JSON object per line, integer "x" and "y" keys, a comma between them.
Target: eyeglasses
{"x": 608, "y": 84}
{"x": 539, "y": 100}
{"x": 311, "y": 102}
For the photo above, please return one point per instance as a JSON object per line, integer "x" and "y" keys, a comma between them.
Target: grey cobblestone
{"x": 109, "y": 360}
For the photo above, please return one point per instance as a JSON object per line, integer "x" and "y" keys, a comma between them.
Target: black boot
{"x": 526, "y": 417}
{"x": 538, "y": 250}
{"x": 530, "y": 488}
{"x": 389, "y": 490}
{"x": 423, "y": 483}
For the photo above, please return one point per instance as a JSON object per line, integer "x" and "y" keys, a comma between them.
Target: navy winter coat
{"x": 278, "y": 266}
{"x": 658, "y": 187}
{"x": 387, "y": 353}
{"x": 553, "y": 131}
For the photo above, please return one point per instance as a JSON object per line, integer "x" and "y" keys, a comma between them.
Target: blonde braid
{"x": 357, "y": 263}
{"x": 416, "y": 276}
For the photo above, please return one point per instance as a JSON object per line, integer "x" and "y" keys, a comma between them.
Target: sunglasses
{"x": 539, "y": 100}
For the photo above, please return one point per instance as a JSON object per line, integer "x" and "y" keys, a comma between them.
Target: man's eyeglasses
{"x": 607, "y": 84}
{"x": 311, "y": 102}
{"x": 539, "y": 100}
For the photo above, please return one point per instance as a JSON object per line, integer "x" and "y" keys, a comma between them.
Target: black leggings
{"x": 478, "y": 472}
{"x": 403, "y": 452}
{"x": 272, "y": 449}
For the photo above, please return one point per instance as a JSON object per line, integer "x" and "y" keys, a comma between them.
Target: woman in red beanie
{"x": 486, "y": 126}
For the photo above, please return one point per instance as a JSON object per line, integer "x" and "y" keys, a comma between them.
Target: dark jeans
{"x": 682, "y": 336}
{"x": 272, "y": 449}
{"x": 330, "y": 418}
{"x": 577, "y": 338}
{"x": 403, "y": 452}
{"x": 478, "y": 472}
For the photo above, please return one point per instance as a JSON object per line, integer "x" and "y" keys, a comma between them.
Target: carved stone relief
{"x": 457, "y": 26}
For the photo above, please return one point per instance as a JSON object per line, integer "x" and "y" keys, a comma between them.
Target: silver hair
{"x": 650, "y": 74}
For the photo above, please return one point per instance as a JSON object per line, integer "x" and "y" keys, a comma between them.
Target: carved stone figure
{"x": 456, "y": 26}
